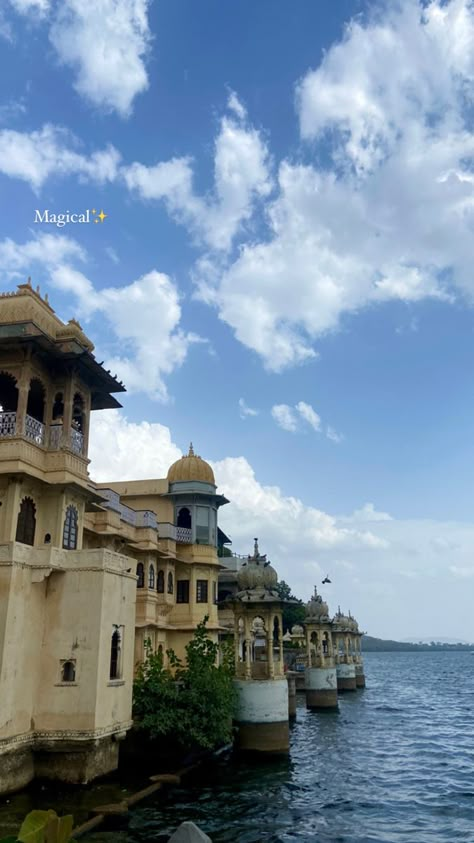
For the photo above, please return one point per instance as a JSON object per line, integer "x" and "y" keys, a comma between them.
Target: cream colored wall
{"x": 72, "y": 630}
{"x": 22, "y": 621}
{"x": 62, "y": 614}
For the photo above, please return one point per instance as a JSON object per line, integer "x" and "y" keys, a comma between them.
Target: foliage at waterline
{"x": 191, "y": 703}
{"x": 43, "y": 827}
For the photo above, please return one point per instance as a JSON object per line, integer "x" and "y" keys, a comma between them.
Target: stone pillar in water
{"x": 359, "y": 664}
{"x": 291, "y": 679}
{"x": 345, "y": 667}
{"x": 320, "y": 677}
{"x": 262, "y": 707}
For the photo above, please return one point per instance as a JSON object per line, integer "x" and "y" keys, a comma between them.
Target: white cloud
{"x": 245, "y": 411}
{"x": 463, "y": 572}
{"x": 112, "y": 254}
{"x": 51, "y": 151}
{"x": 47, "y": 250}
{"x": 241, "y": 176}
{"x": 366, "y": 513}
{"x": 142, "y": 340}
{"x": 144, "y": 317}
{"x": 291, "y": 419}
{"x": 106, "y": 43}
{"x": 124, "y": 450}
{"x": 391, "y": 215}
{"x": 285, "y": 417}
{"x": 333, "y": 435}
{"x": 395, "y": 559}
{"x": 309, "y": 414}
{"x": 26, "y": 6}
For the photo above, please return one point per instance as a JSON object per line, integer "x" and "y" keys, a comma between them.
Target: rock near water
{"x": 188, "y": 832}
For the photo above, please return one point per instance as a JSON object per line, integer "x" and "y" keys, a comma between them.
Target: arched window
{"x": 25, "y": 529}
{"x": 140, "y": 575}
{"x": 35, "y": 405}
{"x": 170, "y": 583}
{"x": 115, "y": 650}
{"x": 78, "y": 412}
{"x": 68, "y": 671}
{"x": 151, "y": 576}
{"x": 34, "y": 427}
{"x": 58, "y": 407}
{"x": 8, "y": 404}
{"x": 70, "y": 529}
{"x": 276, "y": 631}
{"x": 184, "y": 518}
{"x": 160, "y": 582}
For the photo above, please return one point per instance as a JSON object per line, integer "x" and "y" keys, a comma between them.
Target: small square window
{"x": 202, "y": 588}
{"x": 182, "y": 591}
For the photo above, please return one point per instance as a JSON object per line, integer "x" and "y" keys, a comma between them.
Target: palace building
{"x": 90, "y": 575}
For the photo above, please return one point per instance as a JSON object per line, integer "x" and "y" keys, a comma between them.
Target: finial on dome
{"x": 191, "y": 450}
{"x": 28, "y": 280}
{"x": 255, "y": 548}
{"x": 315, "y": 591}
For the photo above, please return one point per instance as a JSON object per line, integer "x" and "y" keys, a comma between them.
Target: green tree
{"x": 294, "y": 612}
{"x": 191, "y": 702}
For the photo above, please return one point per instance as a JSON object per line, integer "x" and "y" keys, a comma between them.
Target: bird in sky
{"x": 326, "y": 579}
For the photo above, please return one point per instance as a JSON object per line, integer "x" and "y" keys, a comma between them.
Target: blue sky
{"x": 284, "y": 275}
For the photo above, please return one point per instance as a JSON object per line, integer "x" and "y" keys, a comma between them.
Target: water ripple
{"x": 394, "y": 765}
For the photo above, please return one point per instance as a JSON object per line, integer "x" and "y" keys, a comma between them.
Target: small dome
{"x": 255, "y": 574}
{"x": 341, "y": 620}
{"x": 354, "y": 626}
{"x": 317, "y": 609}
{"x": 297, "y": 630}
{"x": 191, "y": 467}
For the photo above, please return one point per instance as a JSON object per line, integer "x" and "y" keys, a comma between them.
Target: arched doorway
{"x": 8, "y": 404}
{"x": 34, "y": 422}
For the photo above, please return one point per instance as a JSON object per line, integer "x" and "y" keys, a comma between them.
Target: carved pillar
{"x": 23, "y": 390}
{"x": 280, "y": 646}
{"x": 236, "y": 642}
{"x": 67, "y": 418}
{"x": 248, "y": 651}
{"x": 86, "y": 424}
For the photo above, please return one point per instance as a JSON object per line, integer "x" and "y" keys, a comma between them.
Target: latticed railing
{"x": 34, "y": 430}
{"x": 77, "y": 441}
{"x": 55, "y": 434}
{"x": 146, "y": 518}
{"x": 184, "y": 535}
{"x": 7, "y": 424}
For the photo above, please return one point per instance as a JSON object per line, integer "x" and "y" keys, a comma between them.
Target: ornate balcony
{"x": 7, "y": 424}
{"x": 184, "y": 535}
{"x": 35, "y": 431}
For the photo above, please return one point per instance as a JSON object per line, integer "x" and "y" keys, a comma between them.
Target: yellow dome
{"x": 189, "y": 468}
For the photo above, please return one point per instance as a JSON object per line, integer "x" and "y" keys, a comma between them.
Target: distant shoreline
{"x": 381, "y": 645}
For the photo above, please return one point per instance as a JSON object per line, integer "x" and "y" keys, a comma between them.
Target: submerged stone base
{"x": 321, "y": 698}
{"x": 77, "y": 765}
{"x": 262, "y": 715}
{"x": 264, "y": 737}
{"x": 291, "y": 679}
{"x": 321, "y": 687}
{"x": 16, "y": 770}
{"x": 346, "y": 678}
{"x": 360, "y": 676}
{"x": 65, "y": 759}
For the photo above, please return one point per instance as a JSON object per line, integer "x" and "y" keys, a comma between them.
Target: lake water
{"x": 395, "y": 764}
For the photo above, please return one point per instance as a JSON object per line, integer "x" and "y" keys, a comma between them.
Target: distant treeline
{"x": 370, "y": 644}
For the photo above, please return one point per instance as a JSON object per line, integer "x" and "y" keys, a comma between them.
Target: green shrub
{"x": 190, "y": 703}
